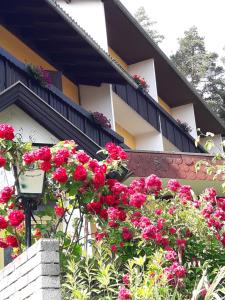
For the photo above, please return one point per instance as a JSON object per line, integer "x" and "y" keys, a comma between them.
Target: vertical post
{"x": 27, "y": 211}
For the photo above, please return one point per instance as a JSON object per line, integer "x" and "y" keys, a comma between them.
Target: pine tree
{"x": 201, "y": 68}
{"x": 148, "y": 25}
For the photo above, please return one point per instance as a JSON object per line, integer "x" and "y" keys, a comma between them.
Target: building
{"x": 92, "y": 49}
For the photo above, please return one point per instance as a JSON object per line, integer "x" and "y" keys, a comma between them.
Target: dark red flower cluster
{"x": 174, "y": 273}
{"x": 6, "y": 132}
{"x": 100, "y": 119}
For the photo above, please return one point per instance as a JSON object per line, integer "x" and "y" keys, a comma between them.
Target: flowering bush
{"x": 40, "y": 74}
{"x": 133, "y": 221}
{"x": 141, "y": 82}
{"x": 101, "y": 120}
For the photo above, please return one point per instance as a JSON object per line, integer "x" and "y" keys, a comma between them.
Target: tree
{"x": 144, "y": 20}
{"x": 201, "y": 68}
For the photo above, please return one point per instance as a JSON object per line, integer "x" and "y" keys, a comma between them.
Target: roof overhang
{"x": 46, "y": 116}
{"x": 129, "y": 40}
{"x": 48, "y": 30}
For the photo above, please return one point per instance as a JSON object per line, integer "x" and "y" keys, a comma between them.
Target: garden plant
{"x": 147, "y": 241}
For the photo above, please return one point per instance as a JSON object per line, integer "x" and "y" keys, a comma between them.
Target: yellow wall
{"x": 118, "y": 58}
{"x": 129, "y": 139}
{"x": 165, "y": 106}
{"x": 17, "y": 48}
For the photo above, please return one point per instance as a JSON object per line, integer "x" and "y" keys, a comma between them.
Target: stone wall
{"x": 34, "y": 275}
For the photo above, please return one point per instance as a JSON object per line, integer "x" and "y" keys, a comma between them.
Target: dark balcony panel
{"x": 178, "y": 138}
{"x": 2, "y": 77}
{"x": 121, "y": 91}
{"x": 170, "y": 132}
{"x": 142, "y": 106}
{"x": 92, "y": 131}
{"x": 132, "y": 98}
{"x": 185, "y": 143}
{"x": 153, "y": 116}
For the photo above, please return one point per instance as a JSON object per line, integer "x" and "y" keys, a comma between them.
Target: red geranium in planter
{"x": 141, "y": 82}
{"x": 101, "y": 120}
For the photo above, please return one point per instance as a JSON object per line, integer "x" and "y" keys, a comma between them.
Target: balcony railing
{"x": 12, "y": 70}
{"x": 151, "y": 111}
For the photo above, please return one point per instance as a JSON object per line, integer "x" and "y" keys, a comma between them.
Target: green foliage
{"x": 148, "y": 25}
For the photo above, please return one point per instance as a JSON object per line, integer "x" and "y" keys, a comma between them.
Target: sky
{"x": 175, "y": 16}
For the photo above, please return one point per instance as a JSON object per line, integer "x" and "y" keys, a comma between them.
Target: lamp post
{"x": 30, "y": 186}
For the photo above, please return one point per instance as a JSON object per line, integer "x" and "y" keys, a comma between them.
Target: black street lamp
{"x": 30, "y": 187}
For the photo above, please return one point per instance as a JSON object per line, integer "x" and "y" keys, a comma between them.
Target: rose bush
{"x": 135, "y": 220}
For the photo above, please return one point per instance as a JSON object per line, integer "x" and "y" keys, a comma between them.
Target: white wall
{"x": 185, "y": 113}
{"x": 150, "y": 141}
{"x": 98, "y": 99}
{"x": 28, "y": 128}
{"x": 90, "y": 15}
{"x": 146, "y": 69}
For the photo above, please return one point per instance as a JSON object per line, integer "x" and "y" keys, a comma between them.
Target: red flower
{"x": 45, "y": 166}
{"x": 12, "y": 241}
{"x": 82, "y": 157}
{"x": 171, "y": 255}
{"x": 6, "y": 194}
{"x": 98, "y": 180}
{"x": 59, "y": 211}
{"x": 2, "y": 161}
{"x": 121, "y": 245}
{"x": 113, "y": 248}
{"x": 16, "y": 217}
{"x": 6, "y": 132}
{"x": 28, "y": 158}
{"x": 99, "y": 236}
{"x": 94, "y": 207}
{"x": 43, "y": 153}
{"x": 60, "y": 175}
{"x": 158, "y": 211}
{"x": 61, "y": 157}
{"x": 80, "y": 174}
{"x": 172, "y": 230}
{"x": 181, "y": 243}
{"x": 3, "y": 223}
{"x": 37, "y": 233}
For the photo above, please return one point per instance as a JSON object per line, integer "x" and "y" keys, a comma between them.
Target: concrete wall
{"x": 90, "y": 15}
{"x": 34, "y": 275}
{"x": 26, "y": 127}
{"x": 185, "y": 113}
{"x": 146, "y": 69}
{"x": 98, "y": 99}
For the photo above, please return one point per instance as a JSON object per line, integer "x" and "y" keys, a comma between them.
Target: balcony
{"x": 159, "y": 119}
{"x": 12, "y": 71}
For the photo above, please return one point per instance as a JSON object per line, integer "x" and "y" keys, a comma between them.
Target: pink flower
{"x": 126, "y": 279}
{"x": 172, "y": 230}
{"x": 149, "y": 232}
{"x": 153, "y": 184}
{"x": 171, "y": 255}
{"x": 158, "y": 211}
{"x": 6, "y": 193}
{"x": 113, "y": 248}
{"x": 124, "y": 294}
{"x": 43, "y": 153}
{"x": 173, "y": 185}
{"x": 137, "y": 200}
{"x": 82, "y": 157}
